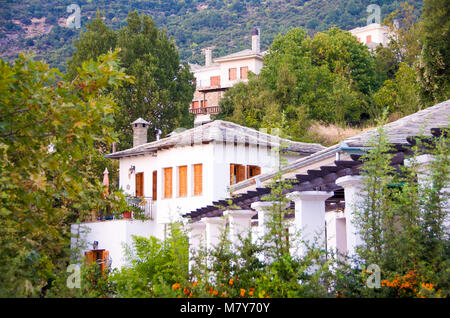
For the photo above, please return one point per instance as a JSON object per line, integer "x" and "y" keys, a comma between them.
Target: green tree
{"x": 434, "y": 62}
{"x": 48, "y": 130}
{"x": 401, "y": 94}
{"x": 162, "y": 88}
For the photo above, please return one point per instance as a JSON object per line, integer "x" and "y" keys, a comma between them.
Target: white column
{"x": 214, "y": 229}
{"x": 336, "y": 232}
{"x": 240, "y": 222}
{"x": 264, "y": 215}
{"x": 353, "y": 186}
{"x": 309, "y": 216}
{"x": 197, "y": 237}
{"x": 425, "y": 181}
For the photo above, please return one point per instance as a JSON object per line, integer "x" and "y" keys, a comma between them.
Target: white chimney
{"x": 255, "y": 40}
{"x": 208, "y": 57}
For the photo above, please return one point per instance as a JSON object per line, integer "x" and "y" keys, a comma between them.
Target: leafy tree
{"x": 162, "y": 88}
{"x": 401, "y": 94}
{"x": 435, "y": 56}
{"x": 327, "y": 78}
{"x": 48, "y": 130}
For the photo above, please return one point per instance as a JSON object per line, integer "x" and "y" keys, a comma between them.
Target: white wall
{"x": 111, "y": 236}
{"x": 253, "y": 65}
{"x": 379, "y": 34}
{"x": 203, "y": 76}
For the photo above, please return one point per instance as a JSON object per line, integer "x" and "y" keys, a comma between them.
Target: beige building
{"x": 219, "y": 74}
{"x": 372, "y": 35}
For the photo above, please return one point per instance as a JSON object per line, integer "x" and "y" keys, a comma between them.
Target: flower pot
{"x": 127, "y": 215}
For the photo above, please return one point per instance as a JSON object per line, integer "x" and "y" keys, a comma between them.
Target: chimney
{"x": 255, "y": 40}
{"x": 158, "y": 133}
{"x": 140, "y": 127}
{"x": 208, "y": 56}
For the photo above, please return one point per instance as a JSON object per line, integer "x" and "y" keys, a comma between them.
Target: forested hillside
{"x": 194, "y": 24}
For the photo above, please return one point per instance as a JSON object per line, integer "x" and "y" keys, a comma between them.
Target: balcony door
{"x": 140, "y": 184}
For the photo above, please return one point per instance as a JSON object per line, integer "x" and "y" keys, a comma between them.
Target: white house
{"x": 218, "y": 75}
{"x": 372, "y": 35}
{"x": 326, "y": 189}
{"x": 186, "y": 170}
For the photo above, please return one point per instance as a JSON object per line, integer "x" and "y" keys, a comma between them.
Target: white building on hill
{"x": 186, "y": 170}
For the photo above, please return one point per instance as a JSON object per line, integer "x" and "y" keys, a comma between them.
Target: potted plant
{"x": 126, "y": 215}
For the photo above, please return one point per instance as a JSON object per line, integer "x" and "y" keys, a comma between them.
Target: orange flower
{"x": 231, "y": 281}
{"x": 175, "y": 286}
{"x": 250, "y": 293}
{"x": 242, "y": 292}
{"x": 224, "y": 294}
{"x": 194, "y": 284}
{"x": 215, "y": 293}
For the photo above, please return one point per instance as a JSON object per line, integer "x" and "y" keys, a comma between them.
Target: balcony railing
{"x": 145, "y": 204}
{"x": 212, "y": 110}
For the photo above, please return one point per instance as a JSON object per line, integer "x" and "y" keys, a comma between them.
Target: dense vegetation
{"x": 162, "y": 88}
{"x": 331, "y": 78}
{"x": 51, "y": 137}
{"x": 193, "y": 24}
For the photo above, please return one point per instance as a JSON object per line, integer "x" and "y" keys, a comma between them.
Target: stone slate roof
{"x": 436, "y": 116}
{"x": 219, "y": 131}
{"x": 243, "y": 53}
{"x": 323, "y": 179}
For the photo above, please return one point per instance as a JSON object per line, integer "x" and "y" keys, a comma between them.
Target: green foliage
{"x": 327, "y": 78}
{"x": 401, "y": 94}
{"x": 43, "y": 191}
{"x": 155, "y": 266}
{"x": 435, "y": 58}
{"x": 402, "y": 222}
{"x": 162, "y": 88}
{"x": 223, "y": 24}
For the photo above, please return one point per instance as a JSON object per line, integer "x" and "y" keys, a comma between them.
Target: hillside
{"x": 194, "y": 24}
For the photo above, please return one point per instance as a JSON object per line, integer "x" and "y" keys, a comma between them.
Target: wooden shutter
{"x": 195, "y": 104}
{"x": 241, "y": 173}
{"x": 368, "y": 39}
{"x": 244, "y": 72}
{"x": 182, "y": 181}
{"x": 232, "y": 74}
{"x": 90, "y": 257}
{"x": 140, "y": 184}
{"x": 105, "y": 256}
{"x": 215, "y": 80}
{"x": 253, "y": 171}
{"x": 155, "y": 186}
{"x": 167, "y": 183}
{"x": 232, "y": 174}
{"x": 198, "y": 179}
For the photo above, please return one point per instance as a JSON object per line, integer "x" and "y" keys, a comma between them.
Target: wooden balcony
{"x": 212, "y": 110}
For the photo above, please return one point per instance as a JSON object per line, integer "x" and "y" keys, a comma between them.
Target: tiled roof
{"x": 219, "y": 131}
{"x": 436, "y": 116}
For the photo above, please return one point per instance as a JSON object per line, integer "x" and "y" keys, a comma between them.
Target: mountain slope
{"x": 194, "y": 24}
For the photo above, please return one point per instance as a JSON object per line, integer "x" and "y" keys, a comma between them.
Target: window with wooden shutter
{"x": 167, "y": 183}
{"x": 244, "y": 72}
{"x": 90, "y": 257}
{"x": 182, "y": 181}
{"x": 195, "y": 104}
{"x": 232, "y": 74}
{"x": 237, "y": 173}
{"x": 253, "y": 171}
{"x": 204, "y": 103}
{"x": 215, "y": 80}
{"x": 140, "y": 184}
{"x": 198, "y": 179}
{"x": 368, "y": 39}
{"x": 154, "y": 186}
